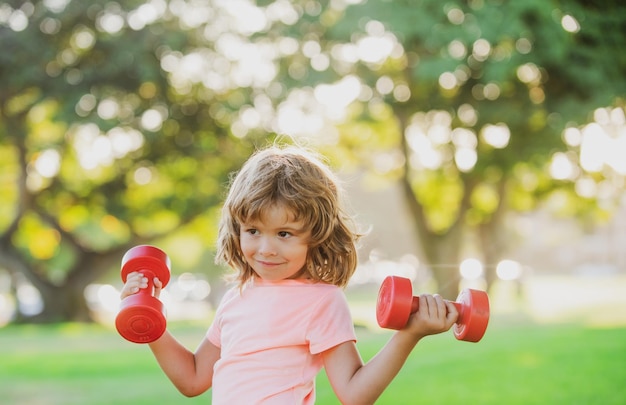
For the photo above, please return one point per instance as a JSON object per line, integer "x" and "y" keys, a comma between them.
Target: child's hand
{"x": 135, "y": 281}
{"x": 434, "y": 315}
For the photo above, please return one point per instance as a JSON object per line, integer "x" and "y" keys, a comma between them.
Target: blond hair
{"x": 297, "y": 180}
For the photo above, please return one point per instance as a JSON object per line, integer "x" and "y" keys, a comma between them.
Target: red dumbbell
{"x": 396, "y": 303}
{"x": 142, "y": 316}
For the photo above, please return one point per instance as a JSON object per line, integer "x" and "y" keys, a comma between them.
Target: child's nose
{"x": 266, "y": 247}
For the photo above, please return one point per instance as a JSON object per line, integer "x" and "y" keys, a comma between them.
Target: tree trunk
{"x": 492, "y": 237}
{"x": 443, "y": 253}
{"x": 441, "y": 250}
{"x": 64, "y": 303}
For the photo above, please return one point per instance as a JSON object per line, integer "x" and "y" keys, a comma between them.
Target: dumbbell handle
{"x": 415, "y": 304}
{"x": 149, "y": 290}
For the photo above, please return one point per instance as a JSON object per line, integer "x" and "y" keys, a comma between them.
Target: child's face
{"x": 275, "y": 246}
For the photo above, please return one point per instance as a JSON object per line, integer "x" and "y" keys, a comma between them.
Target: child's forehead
{"x": 276, "y": 214}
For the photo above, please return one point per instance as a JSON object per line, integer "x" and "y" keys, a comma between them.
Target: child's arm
{"x": 191, "y": 373}
{"x": 358, "y": 383}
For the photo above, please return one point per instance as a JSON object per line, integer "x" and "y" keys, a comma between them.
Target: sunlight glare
{"x": 142, "y": 176}
{"x": 146, "y": 14}
{"x": 602, "y": 116}
{"x": 56, "y": 6}
{"x": 402, "y": 93}
{"x": 94, "y": 149}
{"x": 253, "y": 64}
{"x": 29, "y": 299}
{"x": 562, "y": 168}
{"x": 191, "y": 14}
{"x": 509, "y": 270}
{"x": 496, "y": 135}
{"x": 48, "y": 163}
{"x": 456, "y": 16}
{"x": 586, "y": 187}
{"x": 384, "y": 85}
{"x": 617, "y": 155}
{"x": 152, "y": 120}
{"x": 288, "y": 46}
{"x": 457, "y": 49}
{"x": 283, "y": 11}
{"x": 300, "y": 114}
{"x": 311, "y": 48}
{"x": 110, "y": 23}
{"x": 570, "y": 24}
{"x": 471, "y": 269}
{"x": 618, "y": 117}
{"x": 108, "y": 297}
{"x": 193, "y": 66}
{"x": 249, "y": 18}
{"x": 448, "y": 81}
{"x": 124, "y": 141}
{"x": 594, "y": 146}
{"x": 336, "y": 97}
{"x": 467, "y": 114}
{"x": 464, "y": 138}
{"x": 465, "y": 159}
{"x": 256, "y": 67}
{"x": 423, "y": 150}
{"x": 529, "y": 73}
{"x": 345, "y": 52}
{"x": 108, "y": 109}
{"x": 523, "y": 46}
{"x": 83, "y": 39}
{"x": 17, "y": 20}
{"x": 572, "y": 136}
{"x": 439, "y": 133}
{"x": 375, "y": 49}
{"x": 250, "y": 117}
{"x": 491, "y": 91}
{"x": 481, "y": 49}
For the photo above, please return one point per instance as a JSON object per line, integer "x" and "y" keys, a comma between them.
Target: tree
{"x": 102, "y": 148}
{"x": 480, "y": 93}
{"x": 469, "y": 99}
{"x": 119, "y": 123}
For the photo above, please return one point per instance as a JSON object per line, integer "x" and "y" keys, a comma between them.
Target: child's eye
{"x": 251, "y": 231}
{"x": 284, "y": 234}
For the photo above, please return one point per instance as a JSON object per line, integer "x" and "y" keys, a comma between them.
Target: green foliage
{"x": 534, "y": 67}
{"x": 104, "y": 145}
{"x": 440, "y": 195}
{"x": 485, "y": 200}
{"x": 101, "y": 151}
{"x": 8, "y": 183}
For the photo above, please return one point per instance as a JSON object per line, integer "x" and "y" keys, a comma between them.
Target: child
{"x": 291, "y": 245}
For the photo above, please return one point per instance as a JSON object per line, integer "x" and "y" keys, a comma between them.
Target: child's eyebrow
{"x": 292, "y": 229}
{"x": 288, "y": 227}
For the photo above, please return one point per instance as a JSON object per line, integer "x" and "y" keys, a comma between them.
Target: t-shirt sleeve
{"x": 331, "y": 323}
{"x": 214, "y": 333}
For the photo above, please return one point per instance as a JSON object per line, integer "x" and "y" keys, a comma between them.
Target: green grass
{"x": 515, "y": 363}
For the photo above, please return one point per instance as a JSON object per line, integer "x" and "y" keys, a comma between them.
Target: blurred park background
{"x": 482, "y": 144}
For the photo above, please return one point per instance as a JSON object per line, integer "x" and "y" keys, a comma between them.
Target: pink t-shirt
{"x": 271, "y": 337}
